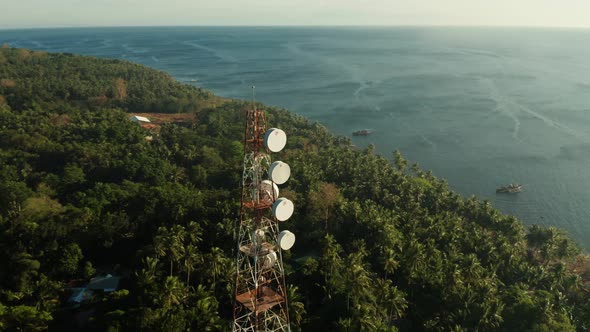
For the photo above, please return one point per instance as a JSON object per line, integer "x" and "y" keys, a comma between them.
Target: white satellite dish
{"x": 283, "y": 209}
{"x": 269, "y": 260}
{"x": 258, "y": 236}
{"x": 279, "y": 172}
{"x": 268, "y": 191}
{"x": 275, "y": 139}
{"x": 286, "y": 240}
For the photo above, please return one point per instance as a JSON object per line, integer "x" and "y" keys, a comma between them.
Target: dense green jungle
{"x": 382, "y": 245}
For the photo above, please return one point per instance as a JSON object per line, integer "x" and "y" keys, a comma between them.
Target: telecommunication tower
{"x": 260, "y": 293}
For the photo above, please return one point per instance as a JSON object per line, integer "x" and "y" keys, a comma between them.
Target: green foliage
{"x": 69, "y": 262}
{"x": 30, "y": 77}
{"x": 24, "y": 318}
{"x": 380, "y": 247}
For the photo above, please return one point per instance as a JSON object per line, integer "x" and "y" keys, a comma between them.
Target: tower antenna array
{"x": 260, "y": 293}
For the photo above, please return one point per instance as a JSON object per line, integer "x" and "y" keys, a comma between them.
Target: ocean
{"x": 480, "y": 107}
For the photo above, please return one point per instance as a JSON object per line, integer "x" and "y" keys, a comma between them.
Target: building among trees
{"x": 140, "y": 119}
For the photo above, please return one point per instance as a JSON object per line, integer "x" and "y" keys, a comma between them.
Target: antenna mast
{"x": 260, "y": 292}
{"x": 253, "y": 97}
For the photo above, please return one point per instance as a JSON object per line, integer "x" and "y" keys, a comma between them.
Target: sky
{"x": 71, "y": 13}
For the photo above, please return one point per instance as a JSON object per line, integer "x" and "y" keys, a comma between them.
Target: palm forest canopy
{"x": 382, "y": 245}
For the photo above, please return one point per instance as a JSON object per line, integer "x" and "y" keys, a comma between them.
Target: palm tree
{"x": 332, "y": 263}
{"x": 170, "y": 243}
{"x": 176, "y": 250}
{"x": 204, "y": 311}
{"x": 194, "y": 233}
{"x": 357, "y": 280}
{"x": 218, "y": 263}
{"x": 148, "y": 274}
{"x": 296, "y": 307}
{"x": 391, "y": 298}
{"x": 173, "y": 293}
{"x": 160, "y": 241}
{"x": 390, "y": 262}
{"x": 192, "y": 257}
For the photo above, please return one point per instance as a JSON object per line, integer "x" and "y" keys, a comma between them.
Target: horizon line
{"x": 293, "y": 26}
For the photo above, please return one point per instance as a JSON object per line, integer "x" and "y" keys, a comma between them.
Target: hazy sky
{"x": 48, "y": 13}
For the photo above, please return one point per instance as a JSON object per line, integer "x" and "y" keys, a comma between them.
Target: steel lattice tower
{"x": 260, "y": 294}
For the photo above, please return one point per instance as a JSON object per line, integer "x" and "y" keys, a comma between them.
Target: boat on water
{"x": 362, "y": 132}
{"x": 511, "y": 188}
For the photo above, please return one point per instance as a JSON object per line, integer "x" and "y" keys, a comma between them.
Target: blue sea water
{"x": 480, "y": 107}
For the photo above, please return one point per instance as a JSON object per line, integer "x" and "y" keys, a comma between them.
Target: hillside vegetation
{"x": 381, "y": 245}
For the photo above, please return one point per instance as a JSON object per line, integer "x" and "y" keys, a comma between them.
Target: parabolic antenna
{"x": 282, "y": 209}
{"x": 279, "y": 172}
{"x": 275, "y": 139}
{"x": 268, "y": 191}
{"x": 269, "y": 260}
{"x": 286, "y": 240}
{"x": 258, "y": 236}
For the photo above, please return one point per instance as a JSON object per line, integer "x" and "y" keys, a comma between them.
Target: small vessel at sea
{"x": 511, "y": 188}
{"x": 362, "y": 132}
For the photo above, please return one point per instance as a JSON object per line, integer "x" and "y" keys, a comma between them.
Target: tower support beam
{"x": 260, "y": 295}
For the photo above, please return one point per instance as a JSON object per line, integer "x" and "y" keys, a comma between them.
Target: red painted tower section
{"x": 260, "y": 292}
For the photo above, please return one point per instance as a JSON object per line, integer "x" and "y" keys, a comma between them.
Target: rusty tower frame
{"x": 260, "y": 299}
